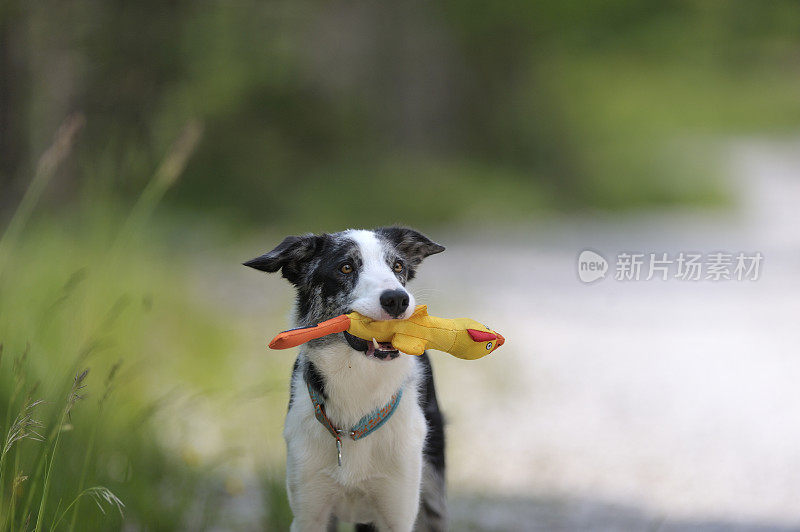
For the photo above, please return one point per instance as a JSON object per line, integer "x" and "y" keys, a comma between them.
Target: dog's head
{"x": 359, "y": 270}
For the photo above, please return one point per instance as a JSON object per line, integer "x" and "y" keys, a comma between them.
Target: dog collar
{"x": 365, "y": 426}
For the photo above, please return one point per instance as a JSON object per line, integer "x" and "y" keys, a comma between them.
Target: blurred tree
{"x": 12, "y": 85}
{"x": 565, "y": 103}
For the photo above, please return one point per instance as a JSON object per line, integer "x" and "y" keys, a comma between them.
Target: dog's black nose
{"x": 395, "y": 302}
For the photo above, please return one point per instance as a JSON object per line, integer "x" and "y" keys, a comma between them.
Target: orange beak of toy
{"x": 500, "y": 341}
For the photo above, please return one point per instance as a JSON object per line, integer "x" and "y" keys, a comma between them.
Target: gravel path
{"x": 649, "y": 405}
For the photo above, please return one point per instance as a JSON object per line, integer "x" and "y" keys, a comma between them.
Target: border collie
{"x": 393, "y": 477}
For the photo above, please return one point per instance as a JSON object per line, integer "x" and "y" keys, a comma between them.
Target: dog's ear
{"x": 290, "y": 256}
{"x": 412, "y": 244}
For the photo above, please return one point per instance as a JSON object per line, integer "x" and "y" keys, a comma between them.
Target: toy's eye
{"x": 398, "y": 266}
{"x": 346, "y": 268}
{"x": 489, "y": 346}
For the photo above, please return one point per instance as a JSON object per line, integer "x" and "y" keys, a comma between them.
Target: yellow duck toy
{"x": 461, "y": 337}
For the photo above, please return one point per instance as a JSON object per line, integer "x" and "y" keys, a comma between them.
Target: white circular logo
{"x": 591, "y": 266}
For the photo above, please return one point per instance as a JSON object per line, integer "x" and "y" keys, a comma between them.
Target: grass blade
{"x": 101, "y": 496}
{"x": 72, "y": 398}
{"x": 45, "y": 169}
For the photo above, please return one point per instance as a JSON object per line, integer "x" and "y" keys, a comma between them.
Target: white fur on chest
{"x": 388, "y": 457}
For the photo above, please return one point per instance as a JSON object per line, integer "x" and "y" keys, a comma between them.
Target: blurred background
{"x": 147, "y": 149}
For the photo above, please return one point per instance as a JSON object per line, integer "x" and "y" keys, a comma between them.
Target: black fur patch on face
{"x": 326, "y": 291}
{"x": 313, "y": 263}
{"x": 411, "y": 246}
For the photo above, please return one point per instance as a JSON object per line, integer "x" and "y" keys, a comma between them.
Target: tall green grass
{"x": 122, "y": 397}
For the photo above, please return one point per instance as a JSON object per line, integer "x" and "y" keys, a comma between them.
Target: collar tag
{"x": 339, "y": 451}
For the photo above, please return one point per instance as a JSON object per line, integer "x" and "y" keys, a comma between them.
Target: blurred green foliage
{"x": 169, "y": 431}
{"x": 352, "y": 113}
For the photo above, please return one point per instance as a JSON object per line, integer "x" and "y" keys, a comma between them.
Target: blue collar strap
{"x": 365, "y": 426}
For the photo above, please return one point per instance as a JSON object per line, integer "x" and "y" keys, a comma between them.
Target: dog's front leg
{"x": 397, "y": 497}
{"x": 312, "y": 504}
{"x": 311, "y": 497}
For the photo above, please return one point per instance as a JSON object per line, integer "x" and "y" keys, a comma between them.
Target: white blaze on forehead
{"x": 368, "y": 244}
{"x": 374, "y": 277}
{"x": 375, "y": 271}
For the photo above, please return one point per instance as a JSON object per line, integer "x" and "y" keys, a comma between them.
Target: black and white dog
{"x": 393, "y": 478}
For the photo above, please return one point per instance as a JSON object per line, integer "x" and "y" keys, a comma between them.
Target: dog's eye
{"x": 398, "y": 266}
{"x": 346, "y": 268}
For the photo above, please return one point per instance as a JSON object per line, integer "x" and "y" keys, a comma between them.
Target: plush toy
{"x": 461, "y": 337}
